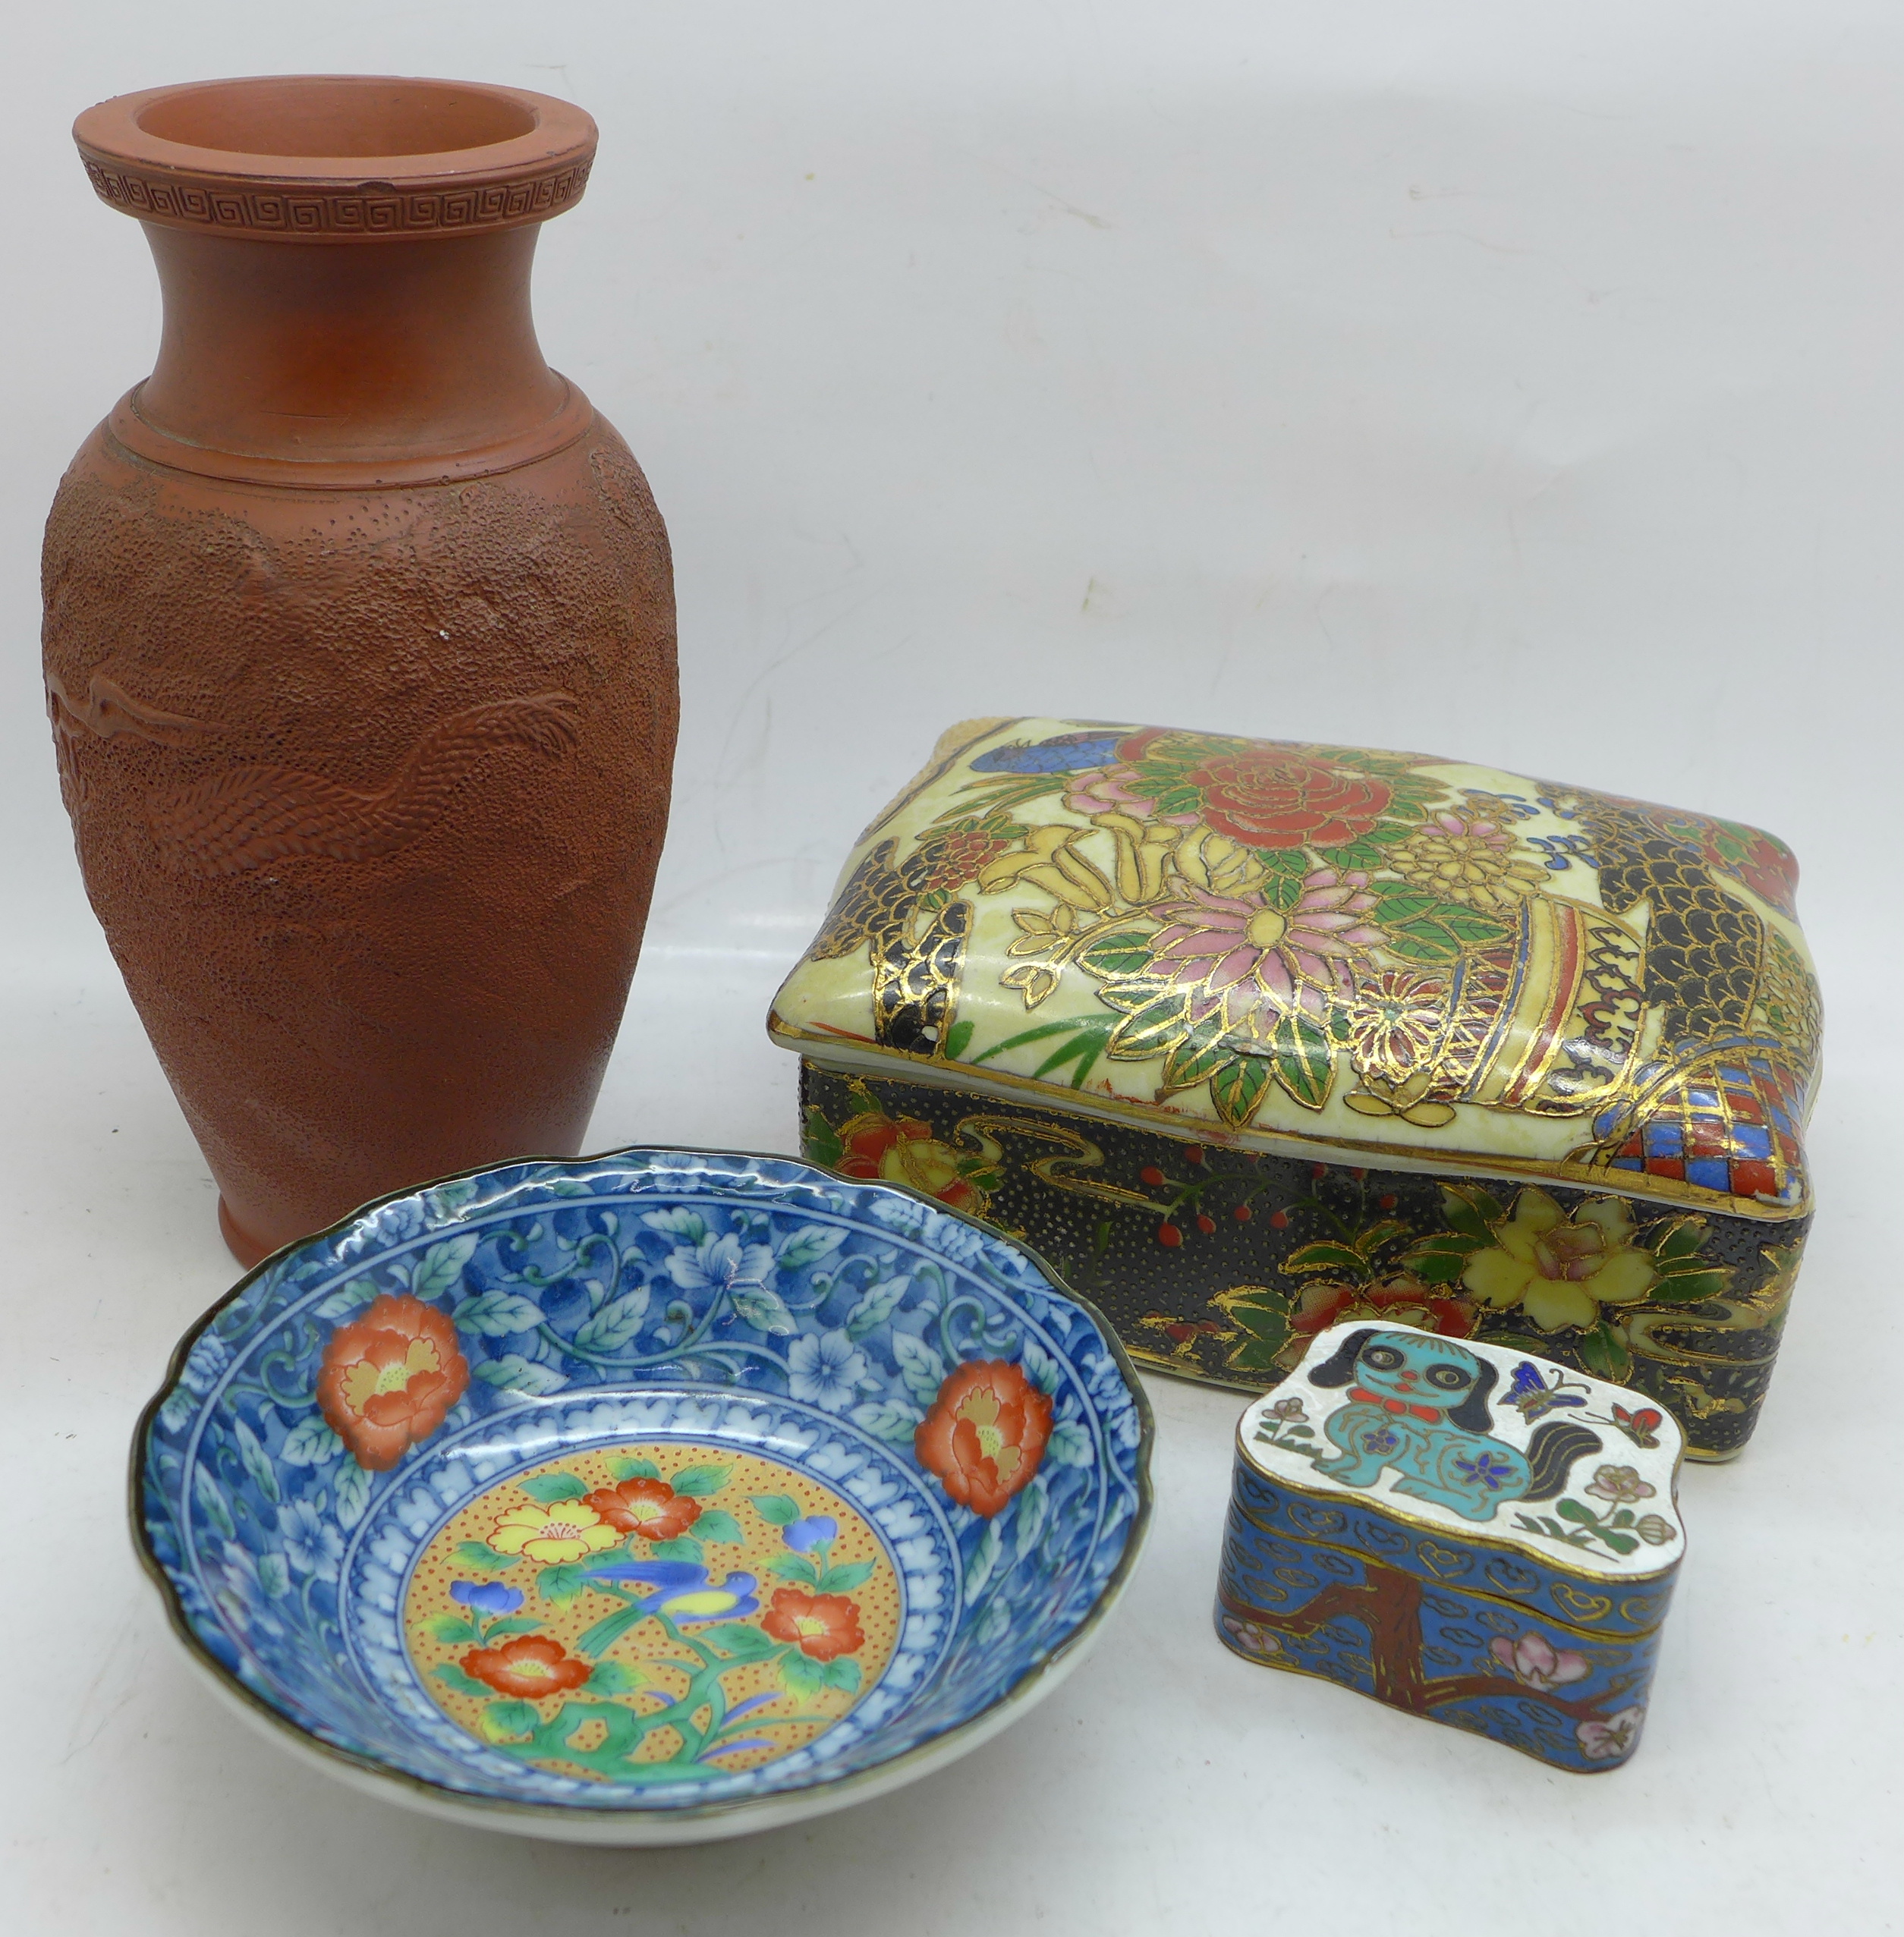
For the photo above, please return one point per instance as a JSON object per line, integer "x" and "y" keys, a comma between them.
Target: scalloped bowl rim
{"x": 631, "y": 1824}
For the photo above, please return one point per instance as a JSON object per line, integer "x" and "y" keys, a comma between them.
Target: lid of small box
{"x": 1288, "y": 946}
{"x": 1479, "y": 1441}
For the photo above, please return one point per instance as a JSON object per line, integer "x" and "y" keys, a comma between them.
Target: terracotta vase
{"x": 360, "y": 643}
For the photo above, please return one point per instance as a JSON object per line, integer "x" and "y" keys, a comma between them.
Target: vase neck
{"x": 369, "y": 353}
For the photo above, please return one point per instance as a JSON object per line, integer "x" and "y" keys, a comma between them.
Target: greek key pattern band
{"x": 366, "y": 209}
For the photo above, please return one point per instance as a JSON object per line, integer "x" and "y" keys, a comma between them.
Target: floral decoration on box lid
{"x": 1278, "y": 944}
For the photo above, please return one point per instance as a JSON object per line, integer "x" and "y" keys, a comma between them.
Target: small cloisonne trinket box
{"x": 1250, "y": 1037}
{"x": 1465, "y": 1533}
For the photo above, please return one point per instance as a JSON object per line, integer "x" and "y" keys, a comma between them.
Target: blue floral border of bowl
{"x": 440, "y": 1204}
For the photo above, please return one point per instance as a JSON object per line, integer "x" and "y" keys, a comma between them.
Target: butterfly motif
{"x": 1638, "y": 1425}
{"x": 1534, "y": 1397}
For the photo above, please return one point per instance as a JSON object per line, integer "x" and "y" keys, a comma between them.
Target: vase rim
{"x": 337, "y": 158}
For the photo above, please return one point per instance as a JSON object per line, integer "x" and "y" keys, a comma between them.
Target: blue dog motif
{"x": 1419, "y": 1404}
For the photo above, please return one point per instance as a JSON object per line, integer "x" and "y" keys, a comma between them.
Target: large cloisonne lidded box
{"x": 1467, "y": 1535}
{"x": 1251, "y": 1038}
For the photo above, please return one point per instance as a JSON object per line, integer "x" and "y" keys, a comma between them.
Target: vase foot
{"x": 242, "y": 1245}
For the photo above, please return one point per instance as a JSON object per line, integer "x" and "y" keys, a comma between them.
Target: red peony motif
{"x": 824, "y": 1626}
{"x": 1268, "y": 798}
{"x": 389, "y": 1378}
{"x": 527, "y": 1666}
{"x": 906, "y": 1152}
{"x": 985, "y": 1434}
{"x": 650, "y": 1508}
{"x": 1402, "y": 1301}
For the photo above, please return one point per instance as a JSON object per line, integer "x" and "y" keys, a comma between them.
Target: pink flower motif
{"x": 1251, "y": 1638}
{"x": 1621, "y": 1483}
{"x": 1114, "y": 791}
{"x": 1535, "y": 1661}
{"x": 1617, "y": 1736}
{"x": 1219, "y": 941}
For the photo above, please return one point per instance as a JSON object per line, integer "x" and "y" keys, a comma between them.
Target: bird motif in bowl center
{"x": 647, "y": 1613}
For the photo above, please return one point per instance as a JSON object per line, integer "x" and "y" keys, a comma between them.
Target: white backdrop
{"x": 1507, "y": 380}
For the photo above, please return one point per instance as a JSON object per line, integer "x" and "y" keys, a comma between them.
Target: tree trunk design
{"x": 1388, "y": 1603}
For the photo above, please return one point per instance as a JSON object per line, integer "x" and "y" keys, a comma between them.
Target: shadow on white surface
{"x": 1169, "y": 1786}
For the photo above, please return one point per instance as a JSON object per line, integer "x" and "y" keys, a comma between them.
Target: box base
{"x": 1218, "y": 1265}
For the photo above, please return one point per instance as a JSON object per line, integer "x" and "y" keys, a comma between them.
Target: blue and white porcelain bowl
{"x": 648, "y": 1498}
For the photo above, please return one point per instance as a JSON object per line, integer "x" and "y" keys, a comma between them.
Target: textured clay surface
{"x": 368, "y": 790}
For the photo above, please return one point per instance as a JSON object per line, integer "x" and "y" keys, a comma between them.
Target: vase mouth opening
{"x": 337, "y": 158}
{"x": 353, "y": 117}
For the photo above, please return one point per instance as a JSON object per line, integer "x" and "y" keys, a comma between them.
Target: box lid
{"x": 1294, "y": 946}
{"x": 1520, "y": 1472}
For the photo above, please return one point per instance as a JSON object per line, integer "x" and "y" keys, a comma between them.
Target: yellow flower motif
{"x": 1050, "y": 860}
{"x": 564, "y": 1532}
{"x": 1399, "y": 1018}
{"x": 1206, "y": 859}
{"x": 1142, "y": 846}
{"x": 1561, "y": 1270}
{"x": 923, "y": 1162}
{"x": 1056, "y": 936}
{"x": 1470, "y": 861}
